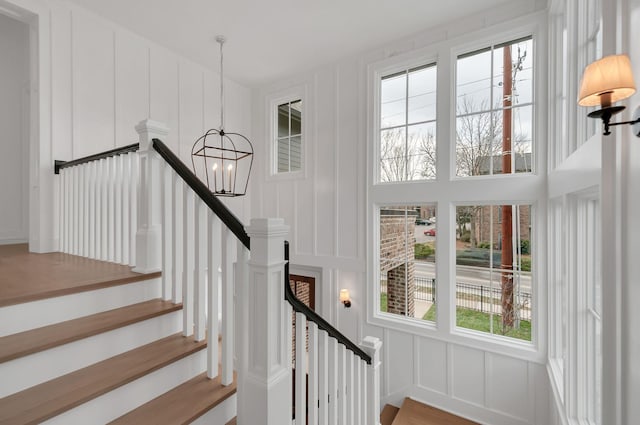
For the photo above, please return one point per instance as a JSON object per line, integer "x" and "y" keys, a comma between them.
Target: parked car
{"x": 430, "y": 232}
{"x": 421, "y": 221}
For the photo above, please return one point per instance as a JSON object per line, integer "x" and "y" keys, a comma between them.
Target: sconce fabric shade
{"x": 344, "y": 295}
{"x": 609, "y": 75}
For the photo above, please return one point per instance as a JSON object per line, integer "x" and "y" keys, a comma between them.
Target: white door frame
{"x": 41, "y": 187}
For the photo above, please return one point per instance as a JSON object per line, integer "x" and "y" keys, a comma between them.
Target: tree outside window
{"x": 408, "y": 125}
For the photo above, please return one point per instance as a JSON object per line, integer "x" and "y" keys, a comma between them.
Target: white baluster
{"x": 126, "y": 218}
{"x": 313, "y": 374}
{"x": 117, "y": 193}
{"x": 92, "y": 209}
{"x": 227, "y": 308}
{"x": 199, "y": 273}
{"x": 188, "y": 262}
{"x": 82, "y": 177}
{"x": 357, "y": 390}
{"x": 74, "y": 216}
{"x": 301, "y": 369}
{"x": 87, "y": 211}
{"x": 104, "y": 218}
{"x": 81, "y": 213}
{"x": 99, "y": 176}
{"x": 288, "y": 311}
{"x": 323, "y": 378}
{"x": 213, "y": 293}
{"x": 362, "y": 366}
{"x": 371, "y": 346}
{"x": 167, "y": 236}
{"x": 133, "y": 206}
{"x": 342, "y": 385}
{"x": 65, "y": 210}
{"x": 333, "y": 380}
{"x": 177, "y": 229}
{"x": 241, "y": 325}
{"x": 111, "y": 204}
{"x": 349, "y": 392}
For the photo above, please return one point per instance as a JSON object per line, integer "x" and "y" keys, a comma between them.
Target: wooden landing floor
{"x": 415, "y": 413}
{"x": 25, "y": 276}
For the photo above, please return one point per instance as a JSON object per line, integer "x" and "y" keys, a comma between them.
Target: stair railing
{"x": 141, "y": 205}
{"x": 97, "y": 215}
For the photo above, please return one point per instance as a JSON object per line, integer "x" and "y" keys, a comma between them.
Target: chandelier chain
{"x": 220, "y": 39}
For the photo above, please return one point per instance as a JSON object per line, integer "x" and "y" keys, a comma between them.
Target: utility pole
{"x": 507, "y": 240}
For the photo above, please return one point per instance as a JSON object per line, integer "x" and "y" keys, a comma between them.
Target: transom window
{"x": 408, "y": 125}
{"x": 494, "y": 110}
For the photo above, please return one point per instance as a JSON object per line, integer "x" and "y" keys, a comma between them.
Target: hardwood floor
{"x": 28, "y": 277}
{"x": 415, "y": 413}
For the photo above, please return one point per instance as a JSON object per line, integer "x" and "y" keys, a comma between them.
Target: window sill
{"x": 460, "y": 336}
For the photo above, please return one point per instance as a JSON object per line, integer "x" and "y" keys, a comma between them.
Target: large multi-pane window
{"x": 408, "y": 125}
{"x": 288, "y": 143}
{"x": 477, "y": 258}
{"x": 494, "y": 110}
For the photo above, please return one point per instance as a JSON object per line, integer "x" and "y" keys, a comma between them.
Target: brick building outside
{"x": 397, "y": 262}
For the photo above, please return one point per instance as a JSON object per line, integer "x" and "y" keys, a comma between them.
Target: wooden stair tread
{"x": 181, "y": 405}
{"x": 388, "y": 414}
{"x": 51, "y": 398}
{"x": 416, "y": 413}
{"x": 30, "y": 277}
{"x": 44, "y": 338}
{"x": 233, "y": 421}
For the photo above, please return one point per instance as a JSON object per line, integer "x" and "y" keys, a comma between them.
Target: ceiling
{"x": 270, "y": 40}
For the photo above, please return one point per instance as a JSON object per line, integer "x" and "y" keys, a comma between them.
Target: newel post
{"x": 148, "y": 236}
{"x": 371, "y": 345}
{"x": 264, "y": 381}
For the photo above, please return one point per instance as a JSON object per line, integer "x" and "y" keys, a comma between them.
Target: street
{"x": 472, "y": 275}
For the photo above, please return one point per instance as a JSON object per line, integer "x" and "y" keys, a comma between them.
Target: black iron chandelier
{"x": 220, "y": 158}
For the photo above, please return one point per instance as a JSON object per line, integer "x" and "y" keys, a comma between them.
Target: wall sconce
{"x": 344, "y": 298}
{"x": 604, "y": 82}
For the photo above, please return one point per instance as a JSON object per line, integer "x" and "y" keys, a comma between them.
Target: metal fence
{"x": 425, "y": 289}
{"x": 486, "y": 299}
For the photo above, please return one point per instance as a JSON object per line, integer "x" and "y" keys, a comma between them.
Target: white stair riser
{"x": 128, "y": 397}
{"x": 34, "y": 369}
{"x": 219, "y": 415}
{"x": 26, "y": 316}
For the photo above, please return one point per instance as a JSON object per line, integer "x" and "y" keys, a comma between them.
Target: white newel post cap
{"x": 267, "y": 236}
{"x": 371, "y": 345}
{"x": 148, "y": 130}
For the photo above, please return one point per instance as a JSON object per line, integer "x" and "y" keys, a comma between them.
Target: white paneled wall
{"x": 326, "y": 209}
{"x": 106, "y": 79}
{"x": 14, "y": 139}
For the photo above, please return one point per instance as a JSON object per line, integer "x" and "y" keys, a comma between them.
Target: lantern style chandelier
{"x": 220, "y": 158}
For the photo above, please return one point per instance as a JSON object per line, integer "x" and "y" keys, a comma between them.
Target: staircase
{"x": 153, "y": 312}
{"x": 88, "y": 342}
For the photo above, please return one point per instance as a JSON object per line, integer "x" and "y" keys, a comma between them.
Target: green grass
{"x": 471, "y": 319}
{"x": 383, "y": 302}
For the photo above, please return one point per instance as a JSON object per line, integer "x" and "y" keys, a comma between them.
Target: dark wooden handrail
{"x": 59, "y": 165}
{"x": 232, "y": 222}
{"x": 227, "y": 217}
{"x": 314, "y": 317}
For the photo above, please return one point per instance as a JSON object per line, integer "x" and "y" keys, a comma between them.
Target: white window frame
{"x": 272, "y": 102}
{"x": 447, "y": 191}
{"x": 391, "y": 66}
